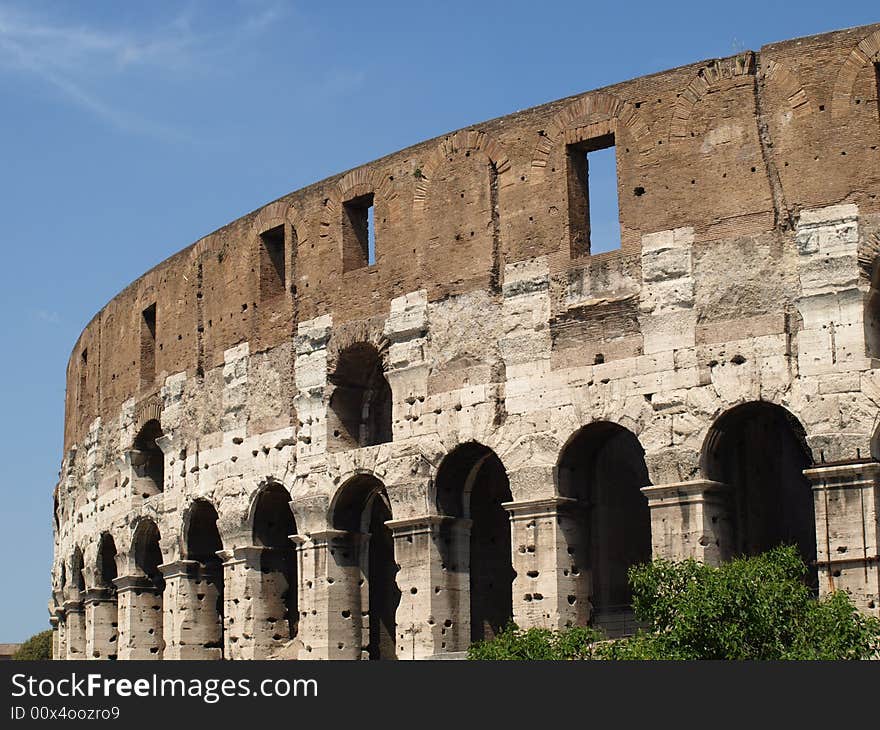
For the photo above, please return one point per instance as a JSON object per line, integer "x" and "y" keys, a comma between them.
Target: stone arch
{"x": 360, "y": 405}
{"x": 602, "y": 466}
{"x": 591, "y": 116}
{"x": 869, "y": 264}
{"x": 77, "y": 574}
{"x": 272, "y": 524}
{"x": 201, "y": 544}
{"x": 472, "y": 486}
{"x": 142, "y": 635}
{"x": 355, "y": 184}
{"x": 287, "y": 217}
{"x": 467, "y": 141}
{"x": 148, "y": 459}
{"x": 787, "y": 81}
{"x": 866, "y": 51}
{"x": 759, "y": 451}
{"x": 106, "y": 570}
{"x": 709, "y": 76}
{"x": 361, "y": 508}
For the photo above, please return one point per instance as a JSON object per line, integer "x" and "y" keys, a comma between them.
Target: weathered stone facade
{"x": 274, "y": 447}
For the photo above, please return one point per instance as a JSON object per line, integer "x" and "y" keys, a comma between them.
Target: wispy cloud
{"x": 74, "y": 58}
{"x": 47, "y": 316}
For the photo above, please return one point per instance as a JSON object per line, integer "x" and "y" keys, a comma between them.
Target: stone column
{"x": 60, "y": 651}
{"x": 847, "y": 504}
{"x": 75, "y": 621}
{"x": 192, "y": 627}
{"x": 102, "y": 622}
{"x": 53, "y": 622}
{"x": 331, "y": 582}
{"x": 691, "y": 520}
{"x": 255, "y": 614}
{"x": 551, "y": 587}
{"x": 140, "y": 618}
{"x": 433, "y": 616}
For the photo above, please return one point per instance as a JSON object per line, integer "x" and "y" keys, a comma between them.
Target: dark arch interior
{"x": 202, "y": 544}
{"x": 152, "y": 466}
{"x": 603, "y": 467}
{"x": 363, "y": 507}
{"x": 872, "y": 314}
{"x": 107, "y": 563}
{"x": 76, "y": 571}
{"x": 760, "y": 450}
{"x": 148, "y": 554}
{"x": 472, "y": 483}
{"x": 272, "y": 528}
{"x": 361, "y": 402}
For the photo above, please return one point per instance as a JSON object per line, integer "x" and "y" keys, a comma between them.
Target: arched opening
{"x": 147, "y": 559}
{"x": 472, "y": 484}
{"x": 103, "y": 614}
{"x": 149, "y": 461}
{"x": 202, "y": 543}
{"x": 273, "y": 525}
{"x": 872, "y": 313}
{"x": 360, "y": 406}
{"x": 760, "y": 451}
{"x": 603, "y": 468}
{"x": 76, "y": 574}
{"x": 363, "y": 507}
{"x": 107, "y": 572}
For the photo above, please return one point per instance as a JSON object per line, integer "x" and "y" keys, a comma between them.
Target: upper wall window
{"x": 877, "y": 84}
{"x": 358, "y": 233}
{"x": 83, "y": 374}
{"x": 272, "y": 262}
{"x": 148, "y": 345}
{"x": 594, "y": 216}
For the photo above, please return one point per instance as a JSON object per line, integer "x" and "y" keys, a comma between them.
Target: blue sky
{"x": 129, "y": 130}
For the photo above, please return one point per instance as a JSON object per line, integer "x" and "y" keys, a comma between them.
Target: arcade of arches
{"x": 371, "y": 586}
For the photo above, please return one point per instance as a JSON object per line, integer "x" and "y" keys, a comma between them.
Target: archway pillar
{"x": 846, "y": 498}
{"x": 690, "y": 520}
{"x": 255, "y": 612}
{"x": 75, "y": 625}
{"x": 191, "y": 626}
{"x": 102, "y": 622}
{"x": 140, "y": 618}
{"x": 551, "y": 587}
{"x": 331, "y": 590}
{"x": 59, "y": 632}
{"x": 433, "y": 616}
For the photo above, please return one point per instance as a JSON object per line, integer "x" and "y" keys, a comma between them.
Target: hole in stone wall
{"x": 272, "y": 263}
{"x": 148, "y": 345}
{"x": 358, "y": 233}
{"x": 594, "y": 214}
{"x": 603, "y": 467}
{"x": 360, "y": 406}
{"x": 201, "y": 543}
{"x": 150, "y": 460}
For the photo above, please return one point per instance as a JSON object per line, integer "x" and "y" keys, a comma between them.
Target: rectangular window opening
{"x": 593, "y": 208}
{"x": 358, "y": 233}
{"x": 272, "y": 262}
{"x": 83, "y": 374}
{"x": 877, "y": 85}
{"x": 148, "y": 345}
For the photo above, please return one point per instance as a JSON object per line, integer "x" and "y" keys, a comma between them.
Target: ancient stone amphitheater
{"x": 383, "y": 415}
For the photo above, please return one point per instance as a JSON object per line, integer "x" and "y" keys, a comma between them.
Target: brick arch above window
{"x": 591, "y": 116}
{"x": 866, "y": 52}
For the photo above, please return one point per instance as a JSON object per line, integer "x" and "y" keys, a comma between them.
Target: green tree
{"x": 749, "y": 608}
{"x": 39, "y": 646}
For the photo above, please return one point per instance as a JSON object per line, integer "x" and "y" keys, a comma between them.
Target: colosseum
{"x": 385, "y": 414}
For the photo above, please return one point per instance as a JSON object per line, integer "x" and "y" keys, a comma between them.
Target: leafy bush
{"x": 39, "y": 646}
{"x": 750, "y": 608}
{"x": 535, "y": 644}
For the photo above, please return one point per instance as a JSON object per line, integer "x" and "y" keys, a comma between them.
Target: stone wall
{"x": 489, "y": 422}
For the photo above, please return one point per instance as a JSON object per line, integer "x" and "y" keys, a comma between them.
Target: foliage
{"x": 38, "y": 647}
{"x": 534, "y": 644}
{"x": 755, "y": 608}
